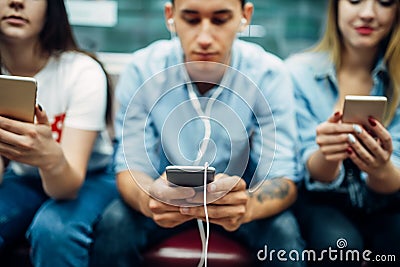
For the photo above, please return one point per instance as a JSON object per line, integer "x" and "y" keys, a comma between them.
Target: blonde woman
{"x": 352, "y": 179}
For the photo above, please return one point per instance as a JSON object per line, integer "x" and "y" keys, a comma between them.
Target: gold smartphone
{"x": 357, "y": 109}
{"x": 18, "y": 97}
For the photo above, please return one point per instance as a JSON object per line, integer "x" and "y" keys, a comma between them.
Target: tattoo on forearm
{"x": 273, "y": 189}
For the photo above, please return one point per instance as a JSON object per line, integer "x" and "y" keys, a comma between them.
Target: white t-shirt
{"x": 72, "y": 89}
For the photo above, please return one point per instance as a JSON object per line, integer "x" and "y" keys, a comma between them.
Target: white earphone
{"x": 243, "y": 21}
{"x": 171, "y": 27}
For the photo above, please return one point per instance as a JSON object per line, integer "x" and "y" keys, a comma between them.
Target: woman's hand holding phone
{"x": 370, "y": 143}
{"x": 334, "y": 135}
{"x": 28, "y": 143}
{"x": 371, "y": 152}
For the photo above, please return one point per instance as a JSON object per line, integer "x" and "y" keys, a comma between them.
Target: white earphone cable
{"x": 205, "y": 117}
{"x": 204, "y": 236}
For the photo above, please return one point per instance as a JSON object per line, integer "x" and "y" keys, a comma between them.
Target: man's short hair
{"x": 242, "y": 1}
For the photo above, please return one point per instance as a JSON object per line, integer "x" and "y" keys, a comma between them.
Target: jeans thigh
{"x": 279, "y": 232}
{"x": 96, "y": 193}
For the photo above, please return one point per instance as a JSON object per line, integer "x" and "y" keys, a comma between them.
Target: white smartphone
{"x": 189, "y": 176}
{"x": 357, "y": 109}
{"x": 18, "y": 97}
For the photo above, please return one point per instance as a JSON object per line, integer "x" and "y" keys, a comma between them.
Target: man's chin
{"x": 205, "y": 71}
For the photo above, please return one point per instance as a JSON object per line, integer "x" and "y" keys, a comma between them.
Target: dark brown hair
{"x": 57, "y": 37}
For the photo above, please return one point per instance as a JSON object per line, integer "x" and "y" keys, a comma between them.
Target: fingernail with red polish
{"x": 372, "y": 121}
{"x": 337, "y": 113}
{"x": 349, "y": 151}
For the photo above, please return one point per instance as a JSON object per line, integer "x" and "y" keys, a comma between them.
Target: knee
{"x": 117, "y": 236}
{"x": 114, "y": 217}
{"x": 51, "y": 230}
{"x": 285, "y": 227}
{"x": 283, "y": 232}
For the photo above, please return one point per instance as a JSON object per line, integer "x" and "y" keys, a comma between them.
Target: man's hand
{"x": 164, "y": 214}
{"x": 230, "y": 206}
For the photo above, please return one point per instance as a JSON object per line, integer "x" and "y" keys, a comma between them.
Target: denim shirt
{"x": 157, "y": 124}
{"x": 316, "y": 93}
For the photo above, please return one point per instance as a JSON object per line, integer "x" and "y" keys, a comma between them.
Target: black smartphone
{"x": 189, "y": 176}
{"x": 17, "y": 97}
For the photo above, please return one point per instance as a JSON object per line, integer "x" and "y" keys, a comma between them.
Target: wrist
{"x": 384, "y": 180}
{"x": 248, "y": 215}
{"x": 383, "y": 173}
{"x": 55, "y": 162}
{"x": 144, "y": 200}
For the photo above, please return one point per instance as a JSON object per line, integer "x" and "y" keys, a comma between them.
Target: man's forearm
{"x": 134, "y": 187}
{"x": 273, "y": 197}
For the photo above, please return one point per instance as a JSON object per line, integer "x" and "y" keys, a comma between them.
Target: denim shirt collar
{"x": 325, "y": 69}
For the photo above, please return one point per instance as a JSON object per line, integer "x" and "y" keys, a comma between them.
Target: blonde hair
{"x": 332, "y": 41}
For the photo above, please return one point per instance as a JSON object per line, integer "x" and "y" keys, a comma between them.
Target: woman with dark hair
{"x": 57, "y": 182}
{"x": 351, "y": 201}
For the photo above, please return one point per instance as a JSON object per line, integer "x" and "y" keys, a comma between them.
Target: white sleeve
{"x": 88, "y": 98}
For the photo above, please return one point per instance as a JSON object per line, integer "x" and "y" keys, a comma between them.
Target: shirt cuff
{"x": 313, "y": 185}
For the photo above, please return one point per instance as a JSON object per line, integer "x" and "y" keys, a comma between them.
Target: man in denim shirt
{"x": 231, "y": 101}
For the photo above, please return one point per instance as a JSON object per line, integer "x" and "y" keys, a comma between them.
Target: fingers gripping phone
{"x": 357, "y": 109}
{"x": 189, "y": 176}
{"x": 18, "y": 97}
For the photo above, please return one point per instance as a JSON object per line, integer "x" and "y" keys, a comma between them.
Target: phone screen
{"x": 189, "y": 176}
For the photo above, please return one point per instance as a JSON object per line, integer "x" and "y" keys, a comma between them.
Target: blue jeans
{"x": 123, "y": 234}
{"x": 60, "y": 232}
{"x": 327, "y": 217}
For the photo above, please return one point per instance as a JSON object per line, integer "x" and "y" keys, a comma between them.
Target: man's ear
{"x": 248, "y": 10}
{"x": 169, "y": 17}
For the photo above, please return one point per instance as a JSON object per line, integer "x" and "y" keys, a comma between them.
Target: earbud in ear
{"x": 170, "y": 26}
{"x": 243, "y": 21}
{"x": 170, "y": 22}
